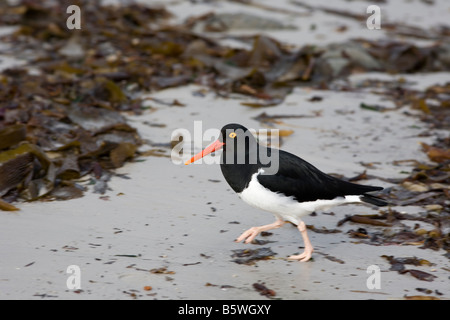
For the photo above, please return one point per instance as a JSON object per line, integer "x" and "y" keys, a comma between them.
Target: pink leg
{"x": 251, "y": 233}
{"x": 306, "y": 255}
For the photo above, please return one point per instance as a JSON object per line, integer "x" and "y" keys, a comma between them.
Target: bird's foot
{"x": 306, "y": 255}
{"x": 249, "y": 235}
{"x": 303, "y": 257}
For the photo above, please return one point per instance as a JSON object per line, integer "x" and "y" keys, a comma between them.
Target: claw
{"x": 306, "y": 255}
{"x": 252, "y": 233}
{"x": 303, "y": 257}
{"x": 249, "y": 235}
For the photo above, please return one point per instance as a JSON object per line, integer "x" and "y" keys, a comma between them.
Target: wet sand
{"x": 171, "y": 227}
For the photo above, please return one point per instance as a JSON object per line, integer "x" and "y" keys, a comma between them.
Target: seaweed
{"x": 249, "y": 256}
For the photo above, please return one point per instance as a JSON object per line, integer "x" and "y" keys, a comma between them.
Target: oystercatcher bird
{"x": 294, "y": 189}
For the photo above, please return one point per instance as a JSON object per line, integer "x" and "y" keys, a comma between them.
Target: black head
{"x": 238, "y": 144}
{"x": 237, "y": 135}
{"x": 231, "y": 132}
{"x": 239, "y": 159}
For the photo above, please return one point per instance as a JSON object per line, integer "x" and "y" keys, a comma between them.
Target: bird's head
{"x": 231, "y": 135}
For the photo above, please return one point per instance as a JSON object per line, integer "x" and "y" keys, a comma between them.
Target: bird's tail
{"x": 368, "y": 198}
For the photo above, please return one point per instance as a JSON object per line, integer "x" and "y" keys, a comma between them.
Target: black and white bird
{"x": 294, "y": 189}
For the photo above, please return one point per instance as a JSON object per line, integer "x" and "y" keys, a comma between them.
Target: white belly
{"x": 284, "y": 207}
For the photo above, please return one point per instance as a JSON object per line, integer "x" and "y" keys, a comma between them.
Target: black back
{"x": 295, "y": 177}
{"x": 303, "y": 181}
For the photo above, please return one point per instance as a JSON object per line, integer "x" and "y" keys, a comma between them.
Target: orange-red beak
{"x": 216, "y": 145}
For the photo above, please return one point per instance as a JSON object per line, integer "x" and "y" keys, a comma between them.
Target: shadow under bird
{"x": 293, "y": 189}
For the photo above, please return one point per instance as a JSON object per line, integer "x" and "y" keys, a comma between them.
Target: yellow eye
{"x": 232, "y": 135}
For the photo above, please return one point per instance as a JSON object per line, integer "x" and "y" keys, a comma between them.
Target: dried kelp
{"x": 372, "y": 220}
{"x": 427, "y": 185}
{"x": 263, "y": 290}
{"x": 398, "y": 264}
{"x": 394, "y": 232}
{"x": 123, "y": 45}
{"x": 63, "y": 123}
{"x": 249, "y": 256}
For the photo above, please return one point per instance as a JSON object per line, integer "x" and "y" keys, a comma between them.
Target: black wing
{"x": 303, "y": 181}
